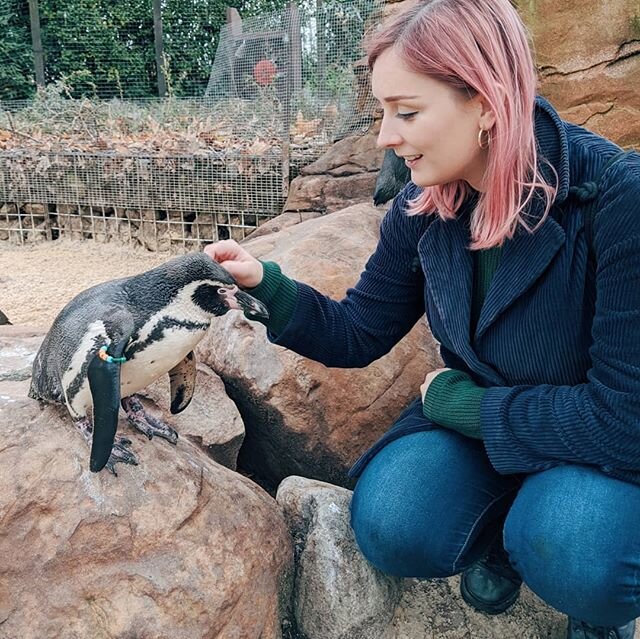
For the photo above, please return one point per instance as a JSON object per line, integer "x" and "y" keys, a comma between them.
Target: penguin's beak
{"x": 251, "y": 306}
{"x": 235, "y": 298}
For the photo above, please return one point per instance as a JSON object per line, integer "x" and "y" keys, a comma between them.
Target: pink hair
{"x": 478, "y": 46}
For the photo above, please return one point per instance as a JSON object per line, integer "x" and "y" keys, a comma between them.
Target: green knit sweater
{"x": 453, "y": 399}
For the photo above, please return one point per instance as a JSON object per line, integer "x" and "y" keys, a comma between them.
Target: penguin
{"x": 116, "y": 338}
{"x": 392, "y": 178}
{"x": 4, "y": 319}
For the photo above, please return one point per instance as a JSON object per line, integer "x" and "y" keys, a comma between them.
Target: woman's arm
{"x": 383, "y": 306}
{"x": 375, "y": 314}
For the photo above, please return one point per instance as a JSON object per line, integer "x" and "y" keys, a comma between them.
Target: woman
{"x": 521, "y": 459}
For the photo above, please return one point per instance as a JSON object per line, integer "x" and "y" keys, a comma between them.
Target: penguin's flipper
{"x": 182, "y": 378}
{"x": 104, "y": 382}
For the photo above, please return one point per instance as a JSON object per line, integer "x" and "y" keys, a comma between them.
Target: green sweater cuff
{"x": 279, "y": 294}
{"x": 453, "y": 401}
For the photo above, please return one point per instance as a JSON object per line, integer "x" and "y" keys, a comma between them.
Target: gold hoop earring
{"x": 486, "y": 145}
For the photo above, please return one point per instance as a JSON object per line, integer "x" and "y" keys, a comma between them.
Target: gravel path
{"x": 37, "y": 281}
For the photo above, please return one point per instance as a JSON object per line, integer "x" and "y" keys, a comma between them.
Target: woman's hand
{"x": 428, "y": 379}
{"x": 245, "y": 268}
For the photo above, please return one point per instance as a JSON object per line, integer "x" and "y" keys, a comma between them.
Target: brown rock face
{"x": 301, "y": 417}
{"x": 588, "y": 53}
{"x": 211, "y": 421}
{"x": 177, "y": 547}
{"x": 344, "y": 175}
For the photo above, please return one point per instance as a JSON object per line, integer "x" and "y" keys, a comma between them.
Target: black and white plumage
{"x": 154, "y": 320}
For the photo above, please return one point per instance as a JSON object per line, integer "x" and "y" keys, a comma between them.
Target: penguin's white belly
{"x": 157, "y": 359}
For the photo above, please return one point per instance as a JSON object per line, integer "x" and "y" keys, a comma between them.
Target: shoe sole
{"x": 488, "y": 608}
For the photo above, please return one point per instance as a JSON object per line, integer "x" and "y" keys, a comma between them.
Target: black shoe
{"x": 491, "y": 585}
{"x": 580, "y": 630}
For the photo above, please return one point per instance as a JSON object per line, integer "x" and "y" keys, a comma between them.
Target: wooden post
{"x": 293, "y": 80}
{"x": 159, "y": 48}
{"x": 36, "y": 42}
{"x": 235, "y": 35}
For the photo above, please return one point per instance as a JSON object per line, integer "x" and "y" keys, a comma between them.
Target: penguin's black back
{"x": 392, "y": 178}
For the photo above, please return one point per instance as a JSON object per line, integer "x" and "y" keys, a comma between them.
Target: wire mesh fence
{"x": 172, "y": 172}
{"x": 158, "y": 202}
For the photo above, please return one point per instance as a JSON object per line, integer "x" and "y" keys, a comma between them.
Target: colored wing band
{"x": 103, "y": 355}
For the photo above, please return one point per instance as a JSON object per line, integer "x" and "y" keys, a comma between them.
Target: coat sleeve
{"x": 374, "y": 316}
{"x": 532, "y": 428}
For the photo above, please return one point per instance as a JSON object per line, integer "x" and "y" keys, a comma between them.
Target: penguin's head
{"x": 217, "y": 298}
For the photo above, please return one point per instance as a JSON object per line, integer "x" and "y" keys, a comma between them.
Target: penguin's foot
{"x": 85, "y": 427}
{"x": 121, "y": 453}
{"x": 146, "y": 423}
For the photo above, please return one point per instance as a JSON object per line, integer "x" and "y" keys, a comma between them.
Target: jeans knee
{"x": 570, "y": 575}
{"x": 396, "y": 543}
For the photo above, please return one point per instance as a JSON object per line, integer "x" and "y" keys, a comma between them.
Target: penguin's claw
{"x": 120, "y": 453}
{"x": 146, "y": 423}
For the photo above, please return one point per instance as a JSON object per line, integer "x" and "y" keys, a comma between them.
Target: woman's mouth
{"x": 411, "y": 160}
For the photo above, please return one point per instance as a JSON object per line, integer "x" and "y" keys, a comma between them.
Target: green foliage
{"x": 105, "y": 48}
{"x": 97, "y": 47}
{"x": 17, "y": 80}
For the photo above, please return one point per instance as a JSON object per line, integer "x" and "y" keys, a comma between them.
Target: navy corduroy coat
{"x": 557, "y": 343}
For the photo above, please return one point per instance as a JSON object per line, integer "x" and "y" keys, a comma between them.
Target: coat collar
{"x": 448, "y": 264}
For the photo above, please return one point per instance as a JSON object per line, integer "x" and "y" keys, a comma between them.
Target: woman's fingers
{"x": 241, "y": 265}
{"x": 224, "y": 250}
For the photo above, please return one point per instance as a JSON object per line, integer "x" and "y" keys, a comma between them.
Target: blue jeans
{"x": 429, "y": 504}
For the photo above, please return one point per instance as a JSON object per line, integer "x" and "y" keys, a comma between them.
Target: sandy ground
{"x": 37, "y": 281}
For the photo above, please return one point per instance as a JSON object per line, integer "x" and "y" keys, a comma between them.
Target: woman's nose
{"x": 388, "y": 138}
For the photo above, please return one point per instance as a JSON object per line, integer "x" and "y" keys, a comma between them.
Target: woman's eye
{"x": 406, "y": 116}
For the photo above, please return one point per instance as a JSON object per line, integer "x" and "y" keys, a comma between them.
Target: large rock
{"x": 177, "y": 547}
{"x": 590, "y": 69}
{"x": 18, "y": 348}
{"x": 211, "y": 421}
{"x": 338, "y": 593}
{"x": 283, "y": 221}
{"x": 302, "y": 418}
{"x": 344, "y": 175}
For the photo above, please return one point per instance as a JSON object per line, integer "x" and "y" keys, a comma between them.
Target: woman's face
{"x": 429, "y": 124}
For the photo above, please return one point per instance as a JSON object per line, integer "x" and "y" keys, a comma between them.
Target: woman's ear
{"x": 486, "y": 114}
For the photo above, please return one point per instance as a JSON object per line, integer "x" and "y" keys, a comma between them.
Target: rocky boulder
{"x": 338, "y": 594}
{"x": 211, "y": 421}
{"x": 590, "y": 68}
{"x": 178, "y": 546}
{"x": 302, "y": 418}
{"x": 343, "y": 176}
